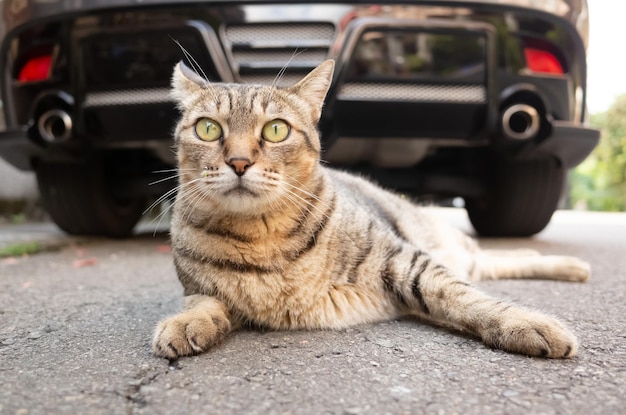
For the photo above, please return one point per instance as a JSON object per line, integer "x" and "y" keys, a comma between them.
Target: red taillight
{"x": 538, "y": 60}
{"x": 36, "y": 69}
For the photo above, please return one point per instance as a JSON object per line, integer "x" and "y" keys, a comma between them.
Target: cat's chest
{"x": 262, "y": 295}
{"x": 259, "y": 278}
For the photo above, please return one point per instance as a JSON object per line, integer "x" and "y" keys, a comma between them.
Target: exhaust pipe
{"x": 55, "y": 125}
{"x": 520, "y": 122}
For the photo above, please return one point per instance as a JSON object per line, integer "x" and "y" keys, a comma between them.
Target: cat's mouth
{"x": 240, "y": 190}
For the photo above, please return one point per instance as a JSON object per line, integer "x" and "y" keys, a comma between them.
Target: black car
{"x": 483, "y": 100}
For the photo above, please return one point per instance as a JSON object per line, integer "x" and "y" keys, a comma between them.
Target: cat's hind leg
{"x": 202, "y": 325}
{"x": 494, "y": 265}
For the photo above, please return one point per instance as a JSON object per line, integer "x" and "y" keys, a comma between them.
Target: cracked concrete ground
{"x": 76, "y": 327}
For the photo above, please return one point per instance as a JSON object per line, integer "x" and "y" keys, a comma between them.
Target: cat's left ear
{"x": 314, "y": 86}
{"x": 185, "y": 82}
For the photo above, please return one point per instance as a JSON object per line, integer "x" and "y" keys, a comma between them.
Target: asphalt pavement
{"x": 76, "y": 323}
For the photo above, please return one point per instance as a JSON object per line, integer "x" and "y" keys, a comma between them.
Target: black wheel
{"x": 79, "y": 200}
{"x": 521, "y": 198}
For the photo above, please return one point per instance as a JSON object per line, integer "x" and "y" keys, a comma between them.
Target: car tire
{"x": 79, "y": 200}
{"x": 521, "y": 198}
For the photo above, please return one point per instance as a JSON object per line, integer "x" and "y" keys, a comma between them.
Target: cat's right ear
{"x": 185, "y": 82}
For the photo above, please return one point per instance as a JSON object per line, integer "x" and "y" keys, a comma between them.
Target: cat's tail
{"x": 528, "y": 264}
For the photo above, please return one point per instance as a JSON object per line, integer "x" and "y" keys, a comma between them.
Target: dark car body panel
{"x": 458, "y": 108}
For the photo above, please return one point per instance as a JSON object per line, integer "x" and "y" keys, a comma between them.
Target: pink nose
{"x": 239, "y": 165}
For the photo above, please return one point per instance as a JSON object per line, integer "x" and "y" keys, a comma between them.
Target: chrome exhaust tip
{"x": 55, "y": 125}
{"x": 520, "y": 122}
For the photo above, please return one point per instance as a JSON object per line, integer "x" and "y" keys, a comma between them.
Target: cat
{"x": 263, "y": 234}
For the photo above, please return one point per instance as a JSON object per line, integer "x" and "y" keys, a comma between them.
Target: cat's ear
{"x": 314, "y": 86}
{"x": 185, "y": 82}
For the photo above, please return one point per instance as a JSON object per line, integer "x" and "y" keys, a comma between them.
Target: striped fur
{"x": 290, "y": 244}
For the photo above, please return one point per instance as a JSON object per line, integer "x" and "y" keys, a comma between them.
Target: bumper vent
{"x": 259, "y": 51}
{"x": 470, "y": 94}
{"x": 127, "y": 97}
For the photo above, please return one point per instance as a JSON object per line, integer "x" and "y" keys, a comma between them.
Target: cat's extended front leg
{"x": 203, "y": 324}
{"x": 500, "y": 324}
{"x": 438, "y": 295}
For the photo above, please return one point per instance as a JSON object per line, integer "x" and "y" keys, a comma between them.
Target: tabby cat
{"x": 263, "y": 234}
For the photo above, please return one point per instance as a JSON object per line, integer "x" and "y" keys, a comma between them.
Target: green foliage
{"x": 19, "y": 249}
{"x": 599, "y": 182}
{"x": 18, "y": 218}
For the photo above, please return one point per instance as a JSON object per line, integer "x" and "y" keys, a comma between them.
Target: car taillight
{"x": 538, "y": 60}
{"x": 36, "y": 69}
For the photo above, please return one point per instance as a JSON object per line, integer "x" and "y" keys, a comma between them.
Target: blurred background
{"x": 599, "y": 183}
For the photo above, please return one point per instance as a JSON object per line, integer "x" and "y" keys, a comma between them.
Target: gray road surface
{"x": 76, "y": 325}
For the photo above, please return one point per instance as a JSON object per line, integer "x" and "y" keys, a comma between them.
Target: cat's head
{"x": 247, "y": 148}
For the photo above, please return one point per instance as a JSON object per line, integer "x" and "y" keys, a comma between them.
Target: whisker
{"x": 282, "y": 71}
{"x": 196, "y": 195}
{"x": 160, "y": 216}
{"x": 201, "y": 199}
{"x": 171, "y": 170}
{"x": 167, "y": 194}
{"x": 195, "y": 189}
{"x": 176, "y": 176}
{"x": 161, "y": 198}
{"x": 178, "y": 171}
{"x": 308, "y": 203}
{"x": 175, "y": 189}
{"x": 194, "y": 63}
{"x": 302, "y": 209}
{"x": 305, "y": 192}
{"x": 195, "y": 66}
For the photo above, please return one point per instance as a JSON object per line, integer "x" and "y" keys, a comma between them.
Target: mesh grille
{"x": 280, "y": 32}
{"x": 475, "y": 94}
{"x": 127, "y": 97}
{"x": 264, "y": 79}
{"x": 271, "y": 58}
{"x": 260, "y": 50}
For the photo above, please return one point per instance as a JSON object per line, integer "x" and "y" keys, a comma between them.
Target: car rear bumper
{"x": 17, "y": 149}
{"x": 569, "y": 143}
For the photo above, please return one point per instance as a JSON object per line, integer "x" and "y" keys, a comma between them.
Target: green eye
{"x": 208, "y": 129}
{"x": 275, "y": 131}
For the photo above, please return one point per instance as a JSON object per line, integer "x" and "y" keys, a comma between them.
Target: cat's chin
{"x": 239, "y": 199}
{"x": 243, "y": 202}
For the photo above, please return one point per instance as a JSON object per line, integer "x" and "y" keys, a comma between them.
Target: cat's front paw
{"x": 189, "y": 333}
{"x": 532, "y": 334}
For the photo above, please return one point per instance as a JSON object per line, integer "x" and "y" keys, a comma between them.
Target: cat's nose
{"x": 239, "y": 165}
